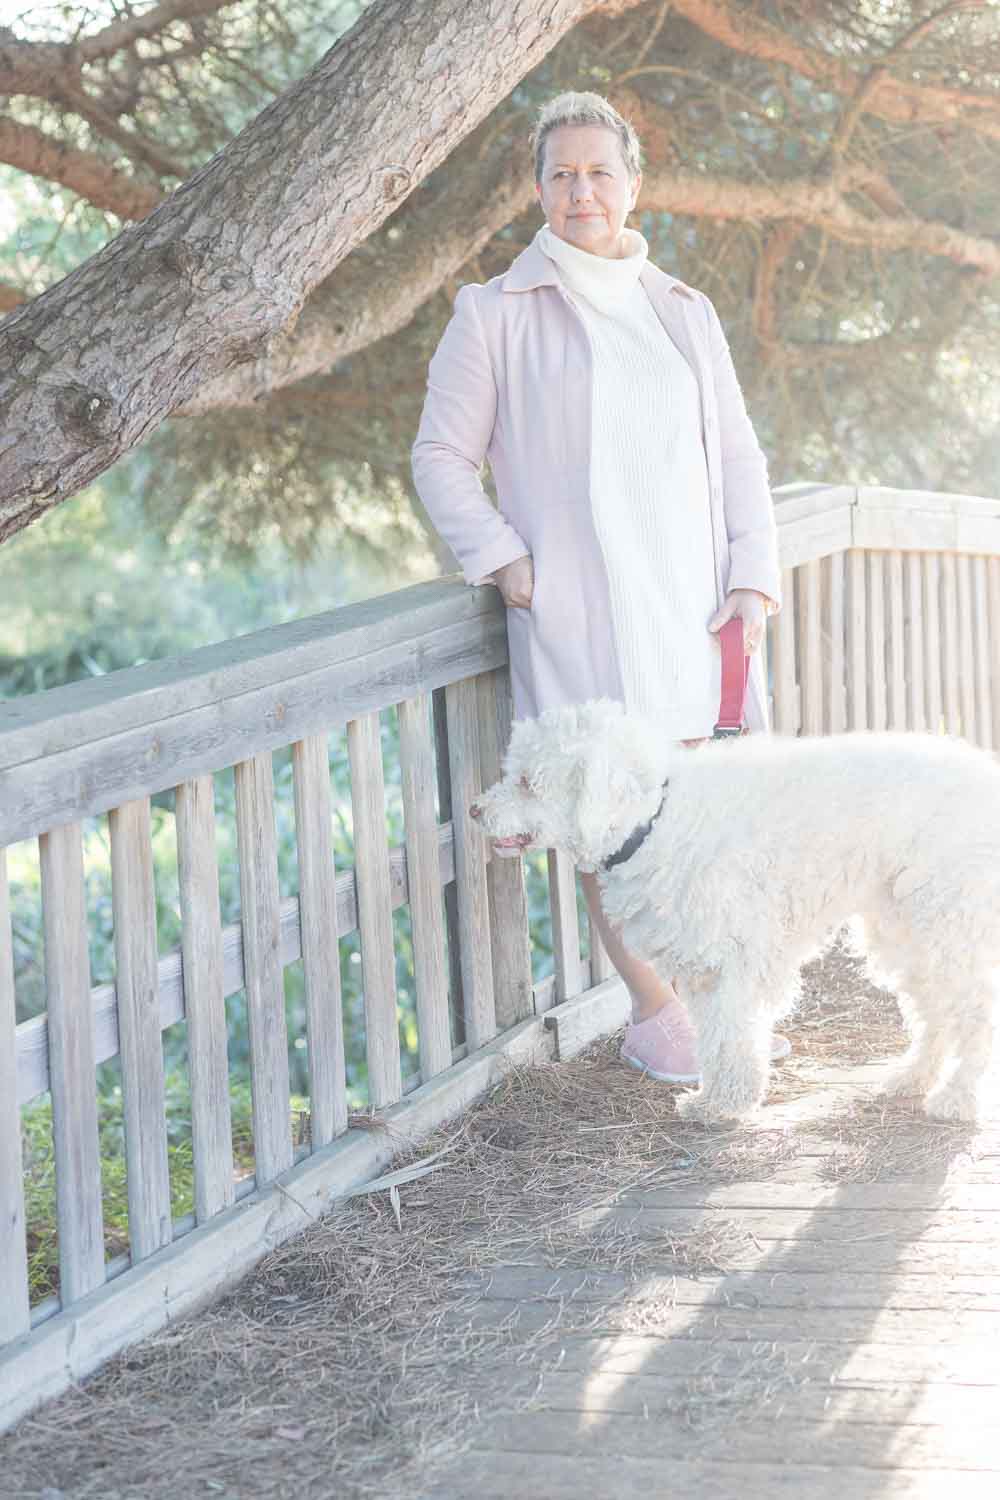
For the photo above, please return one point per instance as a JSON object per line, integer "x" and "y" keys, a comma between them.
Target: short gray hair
{"x": 586, "y": 108}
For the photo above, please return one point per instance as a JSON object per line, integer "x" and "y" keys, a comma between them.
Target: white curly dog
{"x": 732, "y": 864}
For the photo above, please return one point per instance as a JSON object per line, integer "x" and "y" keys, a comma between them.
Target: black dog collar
{"x": 634, "y": 839}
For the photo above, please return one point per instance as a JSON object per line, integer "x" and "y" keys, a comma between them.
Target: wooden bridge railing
{"x": 891, "y": 618}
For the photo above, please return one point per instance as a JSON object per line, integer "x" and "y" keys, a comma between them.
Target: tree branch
{"x": 892, "y": 99}
{"x": 83, "y": 172}
{"x": 35, "y": 67}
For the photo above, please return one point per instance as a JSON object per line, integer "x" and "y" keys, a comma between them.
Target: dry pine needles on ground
{"x": 355, "y": 1357}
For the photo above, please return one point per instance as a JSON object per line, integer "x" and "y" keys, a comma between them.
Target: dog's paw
{"x": 695, "y": 1109}
{"x": 953, "y": 1104}
{"x": 905, "y": 1083}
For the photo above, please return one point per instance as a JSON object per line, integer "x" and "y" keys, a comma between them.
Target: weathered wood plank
{"x": 950, "y": 663}
{"x": 857, "y": 637}
{"x": 812, "y": 537}
{"x": 782, "y": 652}
{"x": 151, "y": 744}
{"x": 71, "y": 1063}
{"x": 565, "y": 925}
{"x": 494, "y": 1475}
{"x": 378, "y": 944}
{"x": 966, "y": 658}
{"x": 417, "y": 772}
{"x": 320, "y": 947}
{"x": 981, "y": 653}
{"x": 461, "y": 700}
{"x": 506, "y": 891}
{"x": 914, "y": 642}
{"x": 204, "y": 1002}
{"x": 263, "y": 979}
{"x": 896, "y": 667}
{"x": 442, "y": 763}
{"x": 15, "y": 1317}
{"x": 835, "y": 708}
{"x": 870, "y": 1446}
{"x": 931, "y": 570}
{"x": 993, "y": 592}
{"x": 140, "y": 1043}
{"x": 32, "y": 1045}
{"x": 877, "y": 709}
{"x": 810, "y": 616}
{"x": 490, "y": 1474}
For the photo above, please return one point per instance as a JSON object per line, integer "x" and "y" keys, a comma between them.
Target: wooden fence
{"x": 891, "y": 619}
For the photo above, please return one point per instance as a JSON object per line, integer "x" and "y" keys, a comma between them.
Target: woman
{"x": 635, "y": 516}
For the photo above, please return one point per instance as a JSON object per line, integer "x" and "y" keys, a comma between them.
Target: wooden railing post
{"x": 450, "y": 893}
{"x": 423, "y": 879}
{"x": 319, "y": 936}
{"x": 462, "y": 707}
{"x": 72, "y": 1080}
{"x": 507, "y": 895}
{"x": 264, "y": 984}
{"x": 204, "y": 997}
{"x": 374, "y": 888}
{"x": 15, "y": 1317}
{"x": 140, "y": 1040}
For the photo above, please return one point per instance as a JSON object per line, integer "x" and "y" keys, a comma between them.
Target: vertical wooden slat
{"x": 320, "y": 947}
{"x": 451, "y": 888}
{"x": 204, "y": 997}
{"x": 877, "y": 713}
{"x": 565, "y": 926}
{"x": 950, "y": 664}
{"x": 857, "y": 640}
{"x": 461, "y": 699}
{"x": 897, "y": 673}
{"x": 931, "y": 569}
{"x": 423, "y": 879}
{"x": 782, "y": 655}
{"x": 966, "y": 659}
{"x": 506, "y": 893}
{"x": 72, "y": 1079}
{"x": 993, "y": 591}
{"x": 916, "y": 715}
{"x": 374, "y": 888}
{"x": 263, "y": 980}
{"x": 981, "y": 654}
{"x": 140, "y": 1037}
{"x": 810, "y": 646}
{"x": 15, "y": 1315}
{"x": 601, "y": 967}
{"x": 835, "y": 715}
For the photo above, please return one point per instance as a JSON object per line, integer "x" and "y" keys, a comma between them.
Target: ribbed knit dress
{"x": 649, "y": 491}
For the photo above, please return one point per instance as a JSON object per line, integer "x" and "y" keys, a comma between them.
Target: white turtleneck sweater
{"x": 649, "y": 491}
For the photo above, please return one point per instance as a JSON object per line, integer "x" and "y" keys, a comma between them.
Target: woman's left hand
{"x": 752, "y": 609}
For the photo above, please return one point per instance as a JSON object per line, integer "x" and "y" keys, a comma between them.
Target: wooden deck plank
{"x": 495, "y": 1475}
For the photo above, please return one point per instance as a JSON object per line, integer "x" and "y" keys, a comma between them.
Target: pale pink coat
{"x": 510, "y": 381}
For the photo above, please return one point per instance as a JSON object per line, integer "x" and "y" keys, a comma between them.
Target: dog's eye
{"x": 524, "y": 783}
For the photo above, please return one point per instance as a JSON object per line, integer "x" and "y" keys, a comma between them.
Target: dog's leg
{"x": 734, "y": 1035}
{"x": 931, "y": 1044}
{"x": 972, "y": 1035}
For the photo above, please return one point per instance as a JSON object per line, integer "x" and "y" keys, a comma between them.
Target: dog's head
{"x": 578, "y": 778}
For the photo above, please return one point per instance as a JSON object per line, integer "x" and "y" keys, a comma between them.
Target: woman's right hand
{"x": 516, "y": 582}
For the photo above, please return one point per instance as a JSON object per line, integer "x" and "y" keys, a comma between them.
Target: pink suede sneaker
{"x": 665, "y": 1046}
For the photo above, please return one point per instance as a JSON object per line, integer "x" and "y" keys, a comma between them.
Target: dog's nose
{"x": 475, "y": 811}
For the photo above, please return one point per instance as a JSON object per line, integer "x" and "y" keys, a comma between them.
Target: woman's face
{"x": 585, "y": 189}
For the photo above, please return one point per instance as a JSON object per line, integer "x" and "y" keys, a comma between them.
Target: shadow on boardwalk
{"x": 583, "y": 1296}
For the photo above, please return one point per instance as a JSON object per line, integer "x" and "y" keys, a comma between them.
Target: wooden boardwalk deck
{"x": 850, "y": 1347}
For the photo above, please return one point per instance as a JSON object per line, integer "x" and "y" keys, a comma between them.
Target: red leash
{"x": 735, "y": 671}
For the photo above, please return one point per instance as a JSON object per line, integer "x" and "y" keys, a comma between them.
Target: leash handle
{"x": 735, "y": 672}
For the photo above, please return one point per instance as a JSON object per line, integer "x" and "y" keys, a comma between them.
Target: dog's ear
{"x": 606, "y": 795}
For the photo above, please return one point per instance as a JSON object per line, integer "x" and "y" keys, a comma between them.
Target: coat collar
{"x": 533, "y": 268}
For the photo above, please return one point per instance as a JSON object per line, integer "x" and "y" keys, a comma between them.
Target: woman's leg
{"x": 649, "y": 992}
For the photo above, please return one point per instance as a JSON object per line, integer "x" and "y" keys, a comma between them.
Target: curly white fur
{"x": 765, "y": 846}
